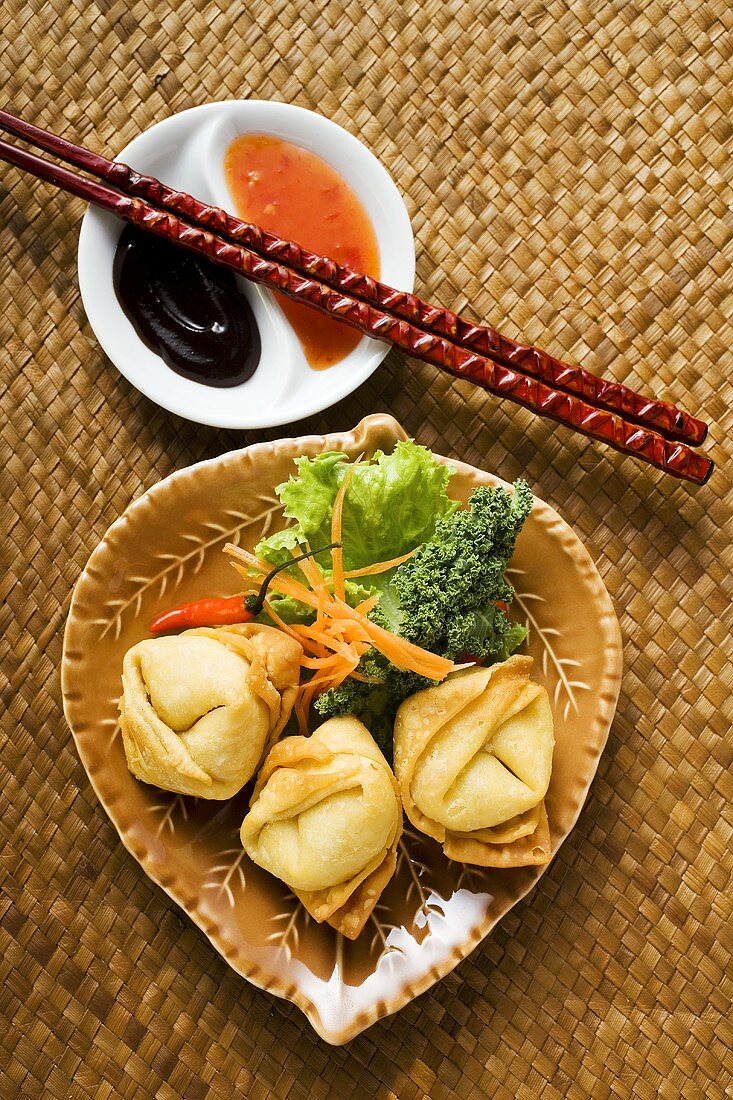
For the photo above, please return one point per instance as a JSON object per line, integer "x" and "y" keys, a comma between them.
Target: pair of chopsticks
{"x": 650, "y": 429}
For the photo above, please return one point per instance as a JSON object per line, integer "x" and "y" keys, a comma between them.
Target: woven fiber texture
{"x": 568, "y": 167}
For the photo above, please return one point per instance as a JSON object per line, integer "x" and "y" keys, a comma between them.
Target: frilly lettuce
{"x": 392, "y": 505}
{"x": 448, "y": 598}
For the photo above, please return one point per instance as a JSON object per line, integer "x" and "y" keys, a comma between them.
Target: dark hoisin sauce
{"x": 187, "y": 309}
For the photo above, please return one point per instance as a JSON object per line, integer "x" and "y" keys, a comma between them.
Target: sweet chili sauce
{"x": 294, "y": 193}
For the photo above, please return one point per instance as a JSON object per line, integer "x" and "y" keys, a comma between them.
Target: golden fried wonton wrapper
{"x": 473, "y": 757}
{"x": 326, "y": 818}
{"x": 200, "y": 709}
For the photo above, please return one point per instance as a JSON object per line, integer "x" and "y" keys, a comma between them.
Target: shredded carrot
{"x": 346, "y": 668}
{"x": 286, "y": 586}
{"x": 244, "y": 555}
{"x": 359, "y": 627}
{"x": 340, "y": 636}
{"x": 337, "y": 516}
{"x": 379, "y": 567}
{"x": 320, "y": 683}
{"x": 408, "y": 655}
{"x": 338, "y": 679}
{"x": 320, "y": 622}
{"x": 320, "y": 662}
{"x": 336, "y": 645}
{"x": 368, "y": 604}
{"x": 279, "y": 623}
{"x": 311, "y": 571}
{"x": 313, "y": 574}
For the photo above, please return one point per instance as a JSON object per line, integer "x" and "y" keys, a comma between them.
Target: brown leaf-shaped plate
{"x": 165, "y": 549}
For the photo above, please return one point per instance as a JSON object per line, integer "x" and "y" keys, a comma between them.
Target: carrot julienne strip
{"x": 286, "y": 586}
{"x": 398, "y": 650}
{"x": 316, "y": 681}
{"x": 281, "y": 624}
{"x": 407, "y": 655}
{"x": 366, "y": 679}
{"x": 378, "y": 567}
{"x": 312, "y": 572}
{"x": 321, "y": 611}
{"x": 401, "y": 652}
{"x": 320, "y": 662}
{"x": 368, "y": 604}
{"x": 245, "y": 556}
{"x": 334, "y": 644}
{"x": 347, "y": 671}
{"x": 318, "y": 684}
{"x": 337, "y": 554}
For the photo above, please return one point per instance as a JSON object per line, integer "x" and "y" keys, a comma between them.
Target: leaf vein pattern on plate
{"x": 419, "y": 872}
{"x": 175, "y": 565}
{"x": 469, "y": 878}
{"x": 550, "y": 659}
{"x": 287, "y": 936}
{"x": 404, "y": 859}
{"x": 112, "y": 724}
{"x": 231, "y": 871}
{"x": 383, "y": 929}
{"x": 168, "y": 810}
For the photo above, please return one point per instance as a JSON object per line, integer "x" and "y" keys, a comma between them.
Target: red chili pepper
{"x": 210, "y": 612}
{"x": 229, "y": 609}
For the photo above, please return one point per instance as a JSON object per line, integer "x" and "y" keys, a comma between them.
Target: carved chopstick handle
{"x": 673, "y": 457}
{"x": 606, "y": 394}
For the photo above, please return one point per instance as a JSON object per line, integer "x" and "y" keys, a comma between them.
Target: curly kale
{"x": 444, "y": 599}
{"x": 374, "y": 703}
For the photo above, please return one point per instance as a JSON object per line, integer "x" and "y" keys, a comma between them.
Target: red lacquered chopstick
{"x": 673, "y": 457}
{"x": 602, "y": 393}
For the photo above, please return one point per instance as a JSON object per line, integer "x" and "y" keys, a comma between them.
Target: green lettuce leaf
{"x": 392, "y": 505}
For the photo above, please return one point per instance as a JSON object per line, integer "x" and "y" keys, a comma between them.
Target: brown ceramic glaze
{"x": 166, "y": 549}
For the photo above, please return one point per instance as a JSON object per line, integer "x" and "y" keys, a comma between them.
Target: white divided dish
{"x": 187, "y": 152}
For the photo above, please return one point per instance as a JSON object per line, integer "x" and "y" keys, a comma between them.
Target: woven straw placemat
{"x": 569, "y": 171}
